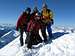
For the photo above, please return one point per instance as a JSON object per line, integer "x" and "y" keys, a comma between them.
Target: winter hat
{"x": 28, "y": 9}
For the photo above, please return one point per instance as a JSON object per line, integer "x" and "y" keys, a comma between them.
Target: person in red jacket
{"x": 22, "y": 23}
{"x": 33, "y": 29}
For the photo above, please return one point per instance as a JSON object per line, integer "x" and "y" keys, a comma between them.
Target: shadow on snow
{"x": 59, "y": 34}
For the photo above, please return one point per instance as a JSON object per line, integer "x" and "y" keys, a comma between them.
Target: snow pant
{"x": 34, "y": 39}
{"x": 49, "y": 31}
{"x": 43, "y": 30}
{"x": 21, "y": 35}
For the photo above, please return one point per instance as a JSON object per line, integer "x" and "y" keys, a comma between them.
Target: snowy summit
{"x": 63, "y": 44}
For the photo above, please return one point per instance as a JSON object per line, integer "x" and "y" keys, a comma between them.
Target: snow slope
{"x": 62, "y": 45}
{"x": 12, "y": 48}
{"x": 8, "y": 37}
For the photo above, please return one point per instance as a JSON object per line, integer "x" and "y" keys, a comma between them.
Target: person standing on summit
{"x": 22, "y": 24}
{"x": 47, "y": 21}
{"x": 33, "y": 28}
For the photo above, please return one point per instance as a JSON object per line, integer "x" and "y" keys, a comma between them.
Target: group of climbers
{"x": 31, "y": 23}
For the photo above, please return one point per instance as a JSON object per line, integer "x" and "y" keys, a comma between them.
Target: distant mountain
{"x": 5, "y": 28}
{"x": 64, "y": 29}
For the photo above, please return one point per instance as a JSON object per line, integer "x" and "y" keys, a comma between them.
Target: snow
{"x": 16, "y": 33}
{"x": 1, "y": 28}
{"x": 8, "y": 37}
{"x": 10, "y": 49}
{"x": 6, "y": 34}
{"x": 62, "y": 45}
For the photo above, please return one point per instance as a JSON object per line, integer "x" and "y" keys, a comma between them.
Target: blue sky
{"x": 64, "y": 10}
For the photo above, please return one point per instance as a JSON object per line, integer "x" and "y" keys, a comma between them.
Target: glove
{"x": 19, "y": 29}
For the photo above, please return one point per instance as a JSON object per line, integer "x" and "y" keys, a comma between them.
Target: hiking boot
{"x": 29, "y": 46}
{"x": 45, "y": 40}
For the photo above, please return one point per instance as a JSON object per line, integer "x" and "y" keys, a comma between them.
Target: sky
{"x": 64, "y": 10}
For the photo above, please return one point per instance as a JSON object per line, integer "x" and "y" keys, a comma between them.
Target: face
{"x": 27, "y": 12}
{"x": 36, "y": 14}
{"x": 44, "y": 8}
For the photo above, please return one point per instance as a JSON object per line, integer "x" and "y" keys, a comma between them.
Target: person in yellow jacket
{"x": 47, "y": 20}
